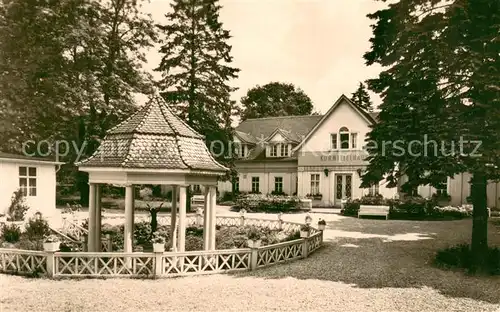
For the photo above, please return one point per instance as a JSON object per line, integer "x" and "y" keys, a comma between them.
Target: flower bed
{"x": 267, "y": 203}
{"x": 166, "y": 264}
{"x": 409, "y": 208}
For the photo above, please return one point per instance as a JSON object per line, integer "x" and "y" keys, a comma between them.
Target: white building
{"x": 35, "y": 177}
{"x": 308, "y": 155}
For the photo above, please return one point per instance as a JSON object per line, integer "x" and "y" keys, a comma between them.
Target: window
{"x": 196, "y": 188}
{"x": 374, "y": 190}
{"x": 354, "y": 140}
{"x": 274, "y": 150}
{"x": 334, "y": 141}
{"x": 314, "y": 184}
{"x": 442, "y": 188}
{"x": 284, "y": 150}
{"x": 344, "y": 138}
{"x": 237, "y": 184}
{"x": 347, "y": 140}
{"x": 27, "y": 180}
{"x": 255, "y": 184}
{"x": 278, "y": 184}
{"x": 243, "y": 151}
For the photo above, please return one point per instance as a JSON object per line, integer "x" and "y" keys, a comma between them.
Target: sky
{"x": 317, "y": 45}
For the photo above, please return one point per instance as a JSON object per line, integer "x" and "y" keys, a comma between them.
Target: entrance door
{"x": 343, "y": 187}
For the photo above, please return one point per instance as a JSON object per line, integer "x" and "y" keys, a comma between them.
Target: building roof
{"x": 262, "y": 128}
{"x": 256, "y": 131}
{"x": 154, "y": 138}
{"x": 294, "y": 128}
{"x": 11, "y": 156}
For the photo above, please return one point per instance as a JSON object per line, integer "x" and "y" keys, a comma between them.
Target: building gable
{"x": 343, "y": 114}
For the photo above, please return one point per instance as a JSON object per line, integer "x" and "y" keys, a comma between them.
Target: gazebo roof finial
{"x": 154, "y": 138}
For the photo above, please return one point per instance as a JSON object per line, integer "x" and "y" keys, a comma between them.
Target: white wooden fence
{"x": 163, "y": 264}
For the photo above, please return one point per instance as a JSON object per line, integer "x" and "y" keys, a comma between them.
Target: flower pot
{"x": 253, "y": 243}
{"x": 321, "y": 227}
{"x": 53, "y": 246}
{"x": 304, "y": 234}
{"x": 158, "y": 247}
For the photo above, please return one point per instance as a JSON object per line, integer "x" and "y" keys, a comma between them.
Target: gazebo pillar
{"x": 212, "y": 217}
{"x": 92, "y": 218}
{"x": 181, "y": 237}
{"x": 128, "y": 236}
{"x": 173, "y": 215}
{"x": 206, "y": 219}
{"x": 98, "y": 207}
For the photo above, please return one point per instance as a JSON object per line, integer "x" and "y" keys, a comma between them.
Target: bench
{"x": 197, "y": 201}
{"x": 369, "y": 210}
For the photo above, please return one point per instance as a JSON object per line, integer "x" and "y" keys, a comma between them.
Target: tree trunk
{"x": 479, "y": 243}
{"x": 82, "y": 184}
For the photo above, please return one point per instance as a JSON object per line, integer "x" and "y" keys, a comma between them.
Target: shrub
{"x": 142, "y": 233}
{"x": 195, "y": 231}
{"x": 261, "y": 203}
{"x": 116, "y": 234}
{"x": 37, "y": 229}
{"x": 376, "y": 199}
{"x": 27, "y": 244}
{"x": 351, "y": 207}
{"x": 410, "y": 207}
{"x": 18, "y": 206}
{"x": 254, "y": 233}
{"x": 460, "y": 256}
{"x": 292, "y": 236}
{"x": 194, "y": 243}
{"x": 11, "y": 233}
{"x": 231, "y": 237}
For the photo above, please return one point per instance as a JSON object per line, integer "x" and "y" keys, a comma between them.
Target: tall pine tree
{"x": 361, "y": 98}
{"x": 196, "y": 70}
{"x": 441, "y": 70}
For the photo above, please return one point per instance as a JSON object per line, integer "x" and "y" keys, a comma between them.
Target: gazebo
{"x": 153, "y": 146}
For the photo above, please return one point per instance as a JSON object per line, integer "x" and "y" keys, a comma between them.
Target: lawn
{"x": 365, "y": 265}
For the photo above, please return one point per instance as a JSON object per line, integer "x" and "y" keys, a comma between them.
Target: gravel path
{"x": 365, "y": 265}
{"x": 221, "y": 293}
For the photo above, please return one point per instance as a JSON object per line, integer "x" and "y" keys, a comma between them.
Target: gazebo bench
{"x": 372, "y": 210}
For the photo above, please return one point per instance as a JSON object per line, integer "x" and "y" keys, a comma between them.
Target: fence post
{"x": 254, "y": 254}
{"x": 51, "y": 263}
{"x": 305, "y": 248}
{"x": 158, "y": 265}
{"x": 109, "y": 244}
{"x": 85, "y": 242}
{"x": 280, "y": 221}
{"x": 242, "y": 217}
{"x": 199, "y": 217}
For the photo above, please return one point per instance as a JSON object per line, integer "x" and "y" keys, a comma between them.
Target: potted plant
{"x": 51, "y": 243}
{"x": 304, "y": 231}
{"x": 254, "y": 238}
{"x": 158, "y": 242}
{"x": 321, "y": 224}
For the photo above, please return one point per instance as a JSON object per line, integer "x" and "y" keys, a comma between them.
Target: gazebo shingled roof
{"x": 154, "y": 138}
